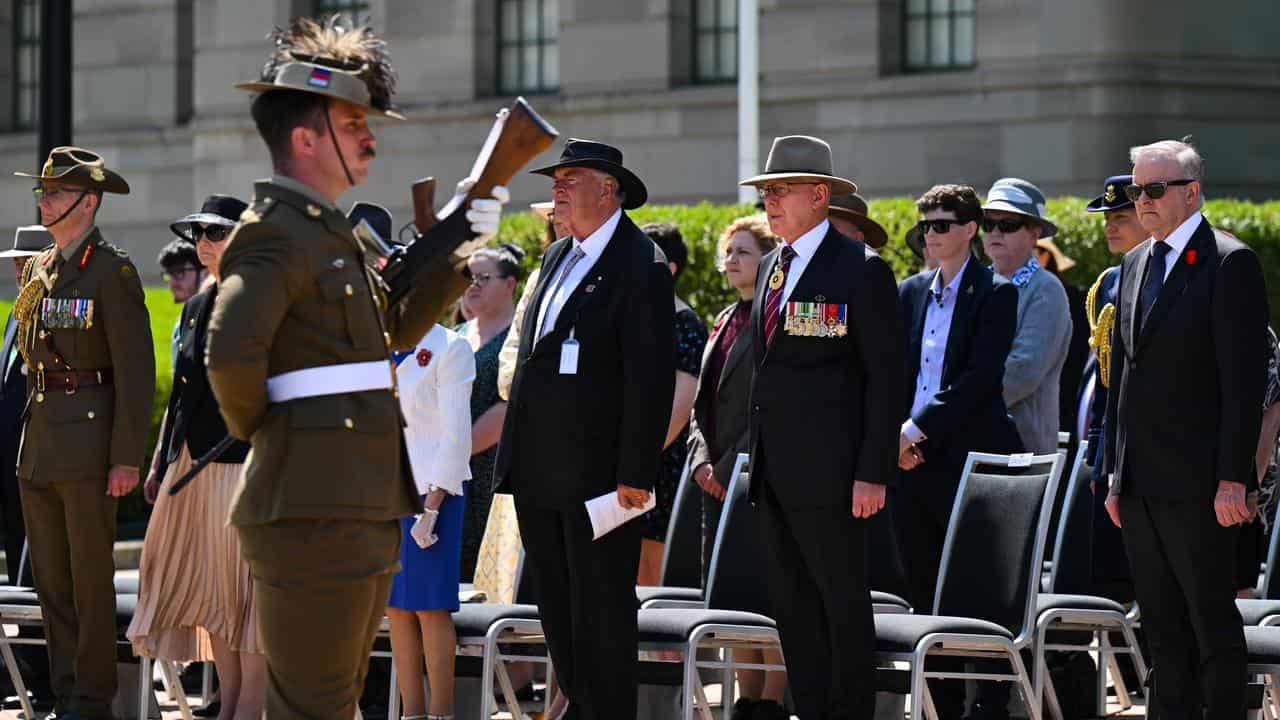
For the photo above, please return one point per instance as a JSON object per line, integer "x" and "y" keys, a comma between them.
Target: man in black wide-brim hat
{"x": 587, "y": 416}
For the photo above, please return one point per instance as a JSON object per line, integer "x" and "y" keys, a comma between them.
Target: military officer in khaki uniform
{"x": 298, "y": 360}
{"x": 86, "y": 336}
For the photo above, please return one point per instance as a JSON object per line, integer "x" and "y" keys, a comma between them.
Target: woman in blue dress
{"x": 435, "y": 395}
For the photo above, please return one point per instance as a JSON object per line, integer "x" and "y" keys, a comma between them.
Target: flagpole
{"x": 748, "y": 95}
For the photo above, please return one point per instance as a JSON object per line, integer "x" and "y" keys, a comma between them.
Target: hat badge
{"x": 97, "y": 174}
{"x": 1111, "y": 193}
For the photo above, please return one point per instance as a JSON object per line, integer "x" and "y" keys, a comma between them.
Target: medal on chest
{"x": 777, "y": 278}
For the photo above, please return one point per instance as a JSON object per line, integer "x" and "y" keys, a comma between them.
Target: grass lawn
{"x": 164, "y": 314}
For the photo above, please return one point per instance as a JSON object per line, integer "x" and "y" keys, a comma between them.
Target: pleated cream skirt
{"x": 193, "y": 581}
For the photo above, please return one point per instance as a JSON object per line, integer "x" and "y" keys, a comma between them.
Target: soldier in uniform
{"x": 1110, "y": 577}
{"x": 86, "y": 336}
{"x": 298, "y": 359}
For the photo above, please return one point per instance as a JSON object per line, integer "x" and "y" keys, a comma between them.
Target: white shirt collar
{"x": 595, "y": 243}
{"x": 807, "y": 244}
{"x": 953, "y": 286}
{"x": 1179, "y": 238}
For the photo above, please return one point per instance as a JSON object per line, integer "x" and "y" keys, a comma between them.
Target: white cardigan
{"x": 436, "y": 399}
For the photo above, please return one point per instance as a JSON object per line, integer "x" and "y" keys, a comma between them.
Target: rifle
{"x": 517, "y": 136}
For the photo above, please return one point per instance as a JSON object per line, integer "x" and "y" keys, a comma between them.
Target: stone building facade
{"x": 908, "y": 92}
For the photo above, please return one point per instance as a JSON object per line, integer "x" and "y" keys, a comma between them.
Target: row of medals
{"x": 806, "y": 323}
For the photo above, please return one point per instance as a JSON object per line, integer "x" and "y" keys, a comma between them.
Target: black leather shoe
{"x": 769, "y": 710}
{"x": 743, "y": 709}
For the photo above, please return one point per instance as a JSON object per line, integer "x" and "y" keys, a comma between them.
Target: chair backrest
{"x": 735, "y": 581}
{"x": 1073, "y": 545}
{"x": 1270, "y": 578}
{"x": 500, "y": 563}
{"x": 992, "y": 557}
{"x": 682, "y": 554}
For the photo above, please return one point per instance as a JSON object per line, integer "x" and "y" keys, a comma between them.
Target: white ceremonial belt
{"x": 330, "y": 380}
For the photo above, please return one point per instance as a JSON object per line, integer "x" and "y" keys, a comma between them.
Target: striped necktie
{"x": 773, "y": 301}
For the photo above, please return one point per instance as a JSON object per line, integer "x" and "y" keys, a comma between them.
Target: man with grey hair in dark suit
{"x": 1188, "y": 366}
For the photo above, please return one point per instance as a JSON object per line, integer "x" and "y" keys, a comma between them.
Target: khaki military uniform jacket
{"x": 295, "y": 294}
{"x": 94, "y": 318}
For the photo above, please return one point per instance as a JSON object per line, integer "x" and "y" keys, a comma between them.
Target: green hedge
{"x": 1080, "y": 236}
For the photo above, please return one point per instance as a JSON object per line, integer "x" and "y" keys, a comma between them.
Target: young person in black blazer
{"x": 572, "y": 436}
{"x": 1188, "y": 367}
{"x": 960, "y": 320}
{"x": 825, "y": 401}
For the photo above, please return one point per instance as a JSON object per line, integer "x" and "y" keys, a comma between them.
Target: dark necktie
{"x": 773, "y": 300}
{"x": 1153, "y": 282}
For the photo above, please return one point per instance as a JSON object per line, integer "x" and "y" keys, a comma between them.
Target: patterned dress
{"x": 691, "y": 338}
{"x": 484, "y": 395}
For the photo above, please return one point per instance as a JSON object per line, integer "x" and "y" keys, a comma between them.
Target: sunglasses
{"x": 938, "y": 227}
{"x": 778, "y": 190}
{"x": 51, "y": 193}
{"x": 213, "y": 233}
{"x": 1154, "y": 190}
{"x": 1004, "y": 225}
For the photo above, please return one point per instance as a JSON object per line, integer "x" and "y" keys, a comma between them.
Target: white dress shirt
{"x": 1178, "y": 240}
{"x": 436, "y": 400}
{"x": 940, "y": 308}
{"x": 805, "y": 246}
{"x": 593, "y": 247}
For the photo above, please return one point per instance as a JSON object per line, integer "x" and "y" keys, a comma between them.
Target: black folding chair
{"x": 984, "y": 607}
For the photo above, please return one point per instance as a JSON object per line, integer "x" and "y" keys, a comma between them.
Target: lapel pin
{"x": 969, "y": 290}
{"x": 591, "y": 288}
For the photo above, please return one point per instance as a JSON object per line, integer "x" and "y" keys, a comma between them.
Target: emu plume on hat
{"x": 332, "y": 60}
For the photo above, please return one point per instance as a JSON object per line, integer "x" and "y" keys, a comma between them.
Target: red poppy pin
{"x": 424, "y": 357}
{"x": 1191, "y": 257}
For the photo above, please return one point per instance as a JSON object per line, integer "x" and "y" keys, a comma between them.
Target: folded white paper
{"x": 606, "y": 514}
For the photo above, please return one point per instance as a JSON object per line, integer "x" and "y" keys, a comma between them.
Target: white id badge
{"x": 569, "y": 356}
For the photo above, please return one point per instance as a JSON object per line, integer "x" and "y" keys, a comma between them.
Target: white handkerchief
{"x": 606, "y": 514}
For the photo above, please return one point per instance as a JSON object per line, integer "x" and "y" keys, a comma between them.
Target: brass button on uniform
{"x": 191, "y": 322}
{"x": 43, "y": 334}
{"x": 349, "y": 290}
{"x": 39, "y": 397}
{"x": 313, "y": 211}
{"x": 40, "y": 365}
{"x": 386, "y": 338}
{"x": 348, "y": 423}
{"x": 92, "y": 414}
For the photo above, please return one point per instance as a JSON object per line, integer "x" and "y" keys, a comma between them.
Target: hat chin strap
{"x": 334, "y": 139}
{"x": 64, "y": 215}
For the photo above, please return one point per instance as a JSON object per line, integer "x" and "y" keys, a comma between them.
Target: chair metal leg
{"x": 930, "y": 711}
{"x": 144, "y": 687}
{"x": 393, "y": 694}
{"x": 486, "y": 674}
{"x": 1024, "y": 684}
{"x": 1051, "y": 707}
{"x": 727, "y": 688}
{"x": 1117, "y": 679}
{"x": 173, "y": 686}
{"x": 918, "y": 685}
{"x": 206, "y": 685}
{"x": 1139, "y": 662}
{"x": 508, "y": 692}
{"x": 15, "y": 675}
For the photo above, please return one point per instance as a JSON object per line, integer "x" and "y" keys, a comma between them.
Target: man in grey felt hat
{"x": 1012, "y": 221}
{"x": 826, "y": 399}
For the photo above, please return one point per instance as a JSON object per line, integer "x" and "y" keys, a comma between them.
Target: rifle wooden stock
{"x": 523, "y": 135}
{"x": 424, "y": 203}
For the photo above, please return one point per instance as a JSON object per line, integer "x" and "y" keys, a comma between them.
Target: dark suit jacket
{"x": 569, "y": 438}
{"x": 825, "y": 411}
{"x": 968, "y": 412}
{"x": 721, "y": 409}
{"x": 1185, "y": 406}
{"x": 193, "y": 418}
{"x": 13, "y": 388}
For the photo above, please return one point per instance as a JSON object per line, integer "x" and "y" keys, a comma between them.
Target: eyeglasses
{"x": 40, "y": 191}
{"x": 1154, "y": 190}
{"x": 212, "y": 233}
{"x": 483, "y": 279}
{"x": 778, "y": 190}
{"x": 179, "y": 273}
{"x": 1004, "y": 225}
{"x": 938, "y": 227}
